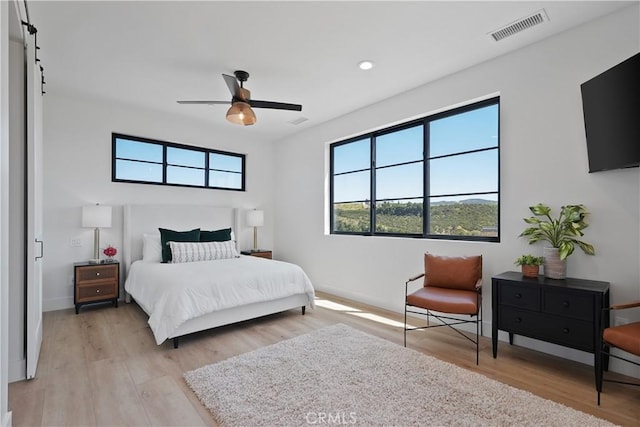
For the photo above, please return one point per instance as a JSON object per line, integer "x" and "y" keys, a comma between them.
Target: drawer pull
{"x": 565, "y": 330}
{"x": 518, "y": 295}
{"x": 97, "y": 273}
{"x": 565, "y": 303}
{"x": 97, "y": 291}
{"x": 518, "y": 320}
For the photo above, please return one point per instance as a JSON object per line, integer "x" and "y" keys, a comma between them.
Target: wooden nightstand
{"x": 96, "y": 283}
{"x": 259, "y": 253}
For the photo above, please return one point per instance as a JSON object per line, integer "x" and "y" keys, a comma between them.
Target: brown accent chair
{"x": 624, "y": 337}
{"x": 452, "y": 285}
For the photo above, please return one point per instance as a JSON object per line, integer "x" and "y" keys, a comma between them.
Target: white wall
{"x": 543, "y": 159}
{"x": 77, "y": 171}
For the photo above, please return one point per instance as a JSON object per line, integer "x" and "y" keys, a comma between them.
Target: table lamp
{"x": 255, "y": 219}
{"x": 96, "y": 217}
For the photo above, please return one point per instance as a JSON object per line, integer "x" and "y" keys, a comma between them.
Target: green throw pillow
{"x": 221, "y": 235}
{"x": 167, "y": 236}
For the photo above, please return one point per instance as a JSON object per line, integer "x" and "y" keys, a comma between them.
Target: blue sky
{"x": 477, "y": 172}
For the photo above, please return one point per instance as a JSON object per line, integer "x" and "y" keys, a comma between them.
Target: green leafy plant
{"x": 563, "y": 232}
{"x": 529, "y": 260}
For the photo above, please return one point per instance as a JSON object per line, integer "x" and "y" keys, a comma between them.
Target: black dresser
{"x": 566, "y": 312}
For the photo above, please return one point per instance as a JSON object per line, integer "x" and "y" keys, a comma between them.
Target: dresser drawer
{"x": 569, "y": 304}
{"x": 558, "y": 330}
{"x": 98, "y": 291}
{"x": 99, "y": 272}
{"x": 569, "y": 332}
{"x": 519, "y": 322}
{"x": 522, "y": 296}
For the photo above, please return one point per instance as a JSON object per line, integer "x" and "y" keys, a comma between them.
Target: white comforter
{"x": 173, "y": 293}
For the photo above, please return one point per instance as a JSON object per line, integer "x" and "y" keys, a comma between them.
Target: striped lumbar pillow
{"x": 202, "y": 251}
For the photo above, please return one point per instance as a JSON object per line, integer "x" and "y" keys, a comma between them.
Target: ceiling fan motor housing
{"x": 242, "y": 76}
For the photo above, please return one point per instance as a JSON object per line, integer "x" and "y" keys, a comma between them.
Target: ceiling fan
{"x": 240, "y": 112}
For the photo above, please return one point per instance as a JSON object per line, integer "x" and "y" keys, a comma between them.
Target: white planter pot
{"x": 554, "y": 267}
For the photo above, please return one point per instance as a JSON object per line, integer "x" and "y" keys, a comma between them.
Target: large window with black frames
{"x": 436, "y": 177}
{"x": 148, "y": 161}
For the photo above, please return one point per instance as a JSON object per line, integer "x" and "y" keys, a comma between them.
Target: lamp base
{"x": 95, "y": 261}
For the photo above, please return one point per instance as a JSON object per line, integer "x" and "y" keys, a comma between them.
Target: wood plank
{"x": 166, "y": 404}
{"x": 115, "y": 398}
{"x": 68, "y": 398}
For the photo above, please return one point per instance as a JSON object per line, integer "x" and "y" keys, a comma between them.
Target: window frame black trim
{"x": 164, "y": 164}
{"x": 424, "y": 121}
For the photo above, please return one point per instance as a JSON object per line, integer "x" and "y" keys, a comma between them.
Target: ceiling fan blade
{"x": 204, "y": 102}
{"x": 232, "y": 84}
{"x": 275, "y": 105}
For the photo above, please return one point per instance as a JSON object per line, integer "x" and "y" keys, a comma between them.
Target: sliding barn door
{"x": 34, "y": 244}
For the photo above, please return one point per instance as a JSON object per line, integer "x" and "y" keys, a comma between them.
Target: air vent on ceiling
{"x": 298, "y": 120}
{"x": 520, "y": 25}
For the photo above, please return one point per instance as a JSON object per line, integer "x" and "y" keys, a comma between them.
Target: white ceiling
{"x": 149, "y": 54}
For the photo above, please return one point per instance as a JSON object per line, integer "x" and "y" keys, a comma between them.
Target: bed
{"x": 184, "y": 298}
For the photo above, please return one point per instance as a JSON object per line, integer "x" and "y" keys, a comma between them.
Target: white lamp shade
{"x": 96, "y": 216}
{"x": 255, "y": 218}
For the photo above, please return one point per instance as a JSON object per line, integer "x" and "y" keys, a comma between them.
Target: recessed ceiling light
{"x": 365, "y": 65}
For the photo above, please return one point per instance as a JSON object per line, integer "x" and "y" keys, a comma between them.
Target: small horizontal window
{"x": 148, "y": 161}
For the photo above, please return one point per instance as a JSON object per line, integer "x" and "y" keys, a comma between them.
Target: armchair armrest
{"x": 479, "y": 284}
{"x": 415, "y": 278}
{"x": 625, "y": 305}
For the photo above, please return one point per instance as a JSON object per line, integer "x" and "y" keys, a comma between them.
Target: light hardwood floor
{"x": 102, "y": 367}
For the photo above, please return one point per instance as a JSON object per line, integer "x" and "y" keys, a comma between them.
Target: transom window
{"x": 148, "y": 161}
{"x": 436, "y": 177}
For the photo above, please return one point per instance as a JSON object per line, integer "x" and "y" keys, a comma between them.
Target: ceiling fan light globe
{"x": 241, "y": 113}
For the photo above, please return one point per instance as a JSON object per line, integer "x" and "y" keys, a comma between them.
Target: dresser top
{"x": 569, "y": 282}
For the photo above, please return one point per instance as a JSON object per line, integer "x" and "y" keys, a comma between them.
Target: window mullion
{"x": 165, "y": 163}
{"x": 372, "y": 203}
{"x": 206, "y": 169}
{"x": 425, "y": 180}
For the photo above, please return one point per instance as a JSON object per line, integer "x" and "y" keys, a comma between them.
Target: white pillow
{"x": 202, "y": 251}
{"x": 151, "y": 248}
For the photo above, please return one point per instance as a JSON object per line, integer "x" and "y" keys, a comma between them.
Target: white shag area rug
{"x": 338, "y": 375}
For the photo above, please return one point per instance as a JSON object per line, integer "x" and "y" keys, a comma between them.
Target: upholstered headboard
{"x": 141, "y": 219}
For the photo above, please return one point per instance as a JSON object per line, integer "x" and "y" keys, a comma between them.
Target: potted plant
{"x": 530, "y": 264}
{"x": 562, "y": 233}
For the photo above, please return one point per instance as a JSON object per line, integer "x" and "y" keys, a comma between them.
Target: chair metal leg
{"x": 405, "y": 325}
{"x": 478, "y": 323}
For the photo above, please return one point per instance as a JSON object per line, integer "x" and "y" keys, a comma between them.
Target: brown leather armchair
{"x": 624, "y": 337}
{"x": 452, "y": 285}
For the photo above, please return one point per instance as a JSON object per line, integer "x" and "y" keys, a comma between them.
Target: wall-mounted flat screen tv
{"x": 611, "y": 107}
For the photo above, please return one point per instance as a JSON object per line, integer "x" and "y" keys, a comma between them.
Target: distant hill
{"x": 470, "y": 217}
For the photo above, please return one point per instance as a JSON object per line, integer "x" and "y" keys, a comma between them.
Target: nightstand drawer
{"x": 568, "y": 304}
{"x": 102, "y": 291}
{"x": 520, "y": 296}
{"x": 99, "y": 272}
